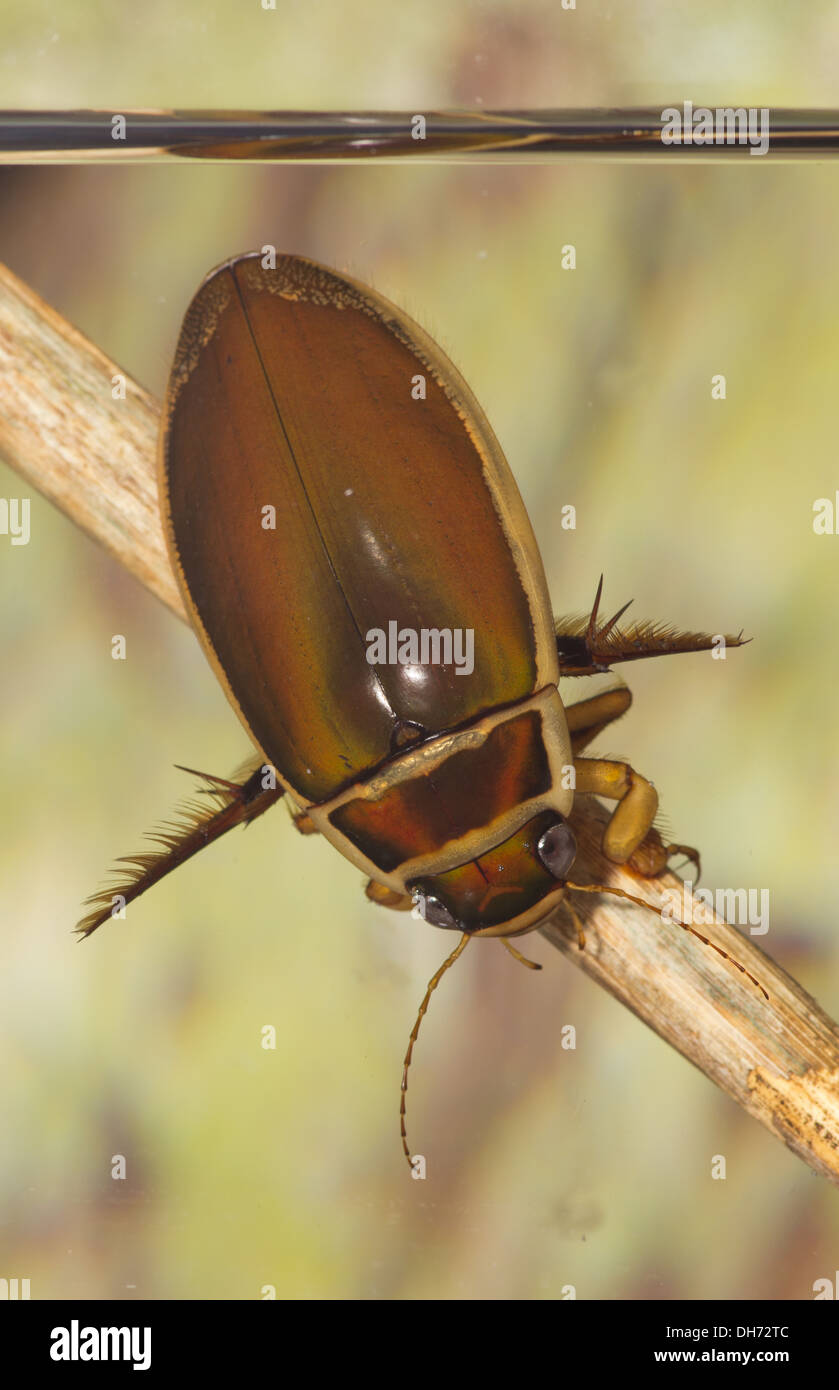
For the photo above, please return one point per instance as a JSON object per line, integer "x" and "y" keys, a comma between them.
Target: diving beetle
{"x": 325, "y": 473}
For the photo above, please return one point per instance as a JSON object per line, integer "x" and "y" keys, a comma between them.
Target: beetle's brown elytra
{"x": 395, "y": 511}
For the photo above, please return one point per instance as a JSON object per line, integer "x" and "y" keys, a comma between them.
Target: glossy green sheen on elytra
{"x": 290, "y": 391}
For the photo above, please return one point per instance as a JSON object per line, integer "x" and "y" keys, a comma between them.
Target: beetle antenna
{"x": 432, "y": 985}
{"x": 640, "y": 902}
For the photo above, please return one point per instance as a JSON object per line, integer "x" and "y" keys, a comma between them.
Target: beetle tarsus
{"x": 652, "y": 857}
{"x": 691, "y": 857}
{"x": 517, "y": 955}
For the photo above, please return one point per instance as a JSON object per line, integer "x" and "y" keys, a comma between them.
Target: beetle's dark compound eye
{"x": 435, "y": 912}
{"x": 557, "y": 849}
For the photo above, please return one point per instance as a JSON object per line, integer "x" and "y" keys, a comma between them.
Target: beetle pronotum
{"x": 299, "y": 393}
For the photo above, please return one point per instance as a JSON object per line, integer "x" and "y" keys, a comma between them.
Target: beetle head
{"x": 506, "y": 890}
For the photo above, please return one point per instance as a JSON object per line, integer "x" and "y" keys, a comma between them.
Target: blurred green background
{"x": 547, "y": 1168}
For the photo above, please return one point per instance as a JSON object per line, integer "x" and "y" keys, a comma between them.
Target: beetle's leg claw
{"x": 691, "y": 857}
